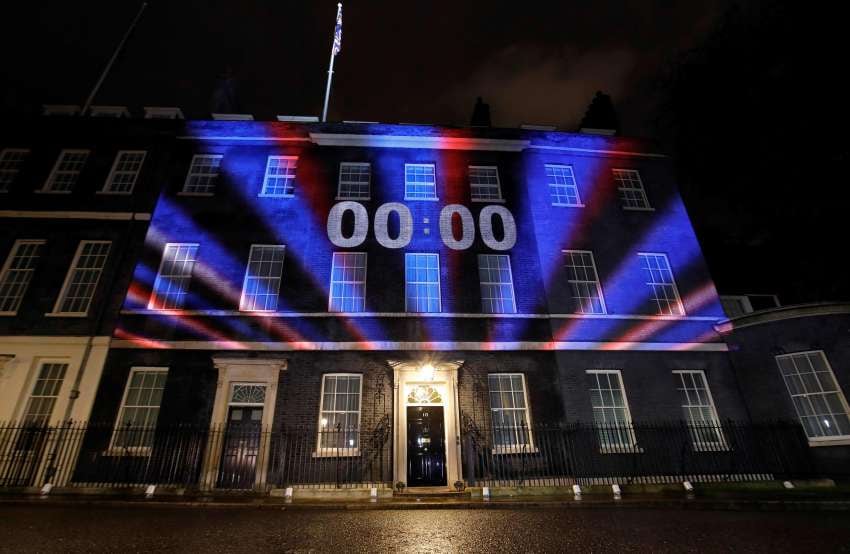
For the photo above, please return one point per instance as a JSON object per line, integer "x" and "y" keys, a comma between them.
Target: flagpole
{"x": 90, "y": 99}
{"x": 331, "y": 68}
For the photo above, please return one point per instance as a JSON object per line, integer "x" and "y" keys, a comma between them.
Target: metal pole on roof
{"x": 335, "y": 48}
{"x": 103, "y": 75}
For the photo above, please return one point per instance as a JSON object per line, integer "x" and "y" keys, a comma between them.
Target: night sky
{"x": 400, "y": 62}
{"x": 749, "y": 96}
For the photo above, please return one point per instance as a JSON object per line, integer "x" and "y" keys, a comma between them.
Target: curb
{"x": 757, "y": 505}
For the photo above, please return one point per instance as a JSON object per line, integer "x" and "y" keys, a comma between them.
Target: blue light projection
{"x": 526, "y": 226}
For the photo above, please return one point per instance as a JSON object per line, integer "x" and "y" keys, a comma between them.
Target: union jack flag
{"x": 338, "y": 31}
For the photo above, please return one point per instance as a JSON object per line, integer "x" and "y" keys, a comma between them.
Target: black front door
{"x": 426, "y": 446}
{"x": 241, "y": 446}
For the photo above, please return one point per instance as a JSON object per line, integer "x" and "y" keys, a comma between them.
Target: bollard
{"x": 577, "y": 492}
{"x": 688, "y": 486}
{"x": 373, "y": 494}
{"x": 149, "y": 491}
{"x": 45, "y": 490}
{"x": 288, "y": 493}
{"x": 615, "y": 488}
{"x": 485, "y": 492}
{"x": 788, "y": 484}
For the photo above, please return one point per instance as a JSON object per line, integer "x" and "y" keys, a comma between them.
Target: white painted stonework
{"x": 407, "y": 376}
{"x": 21, "y": 358}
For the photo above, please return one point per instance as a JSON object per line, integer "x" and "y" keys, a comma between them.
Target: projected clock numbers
{"x": 405, "y": 233}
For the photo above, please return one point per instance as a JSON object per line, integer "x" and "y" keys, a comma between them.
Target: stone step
{"x": 430, "y": 492}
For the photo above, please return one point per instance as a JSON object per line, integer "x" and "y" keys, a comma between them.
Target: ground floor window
{"x": 44, "y": 393}
{"x": 610, "y": 409}
{"x": 139, "y": 412}
{"x": 509, "y": 411}
{"x": 818, "y": 400}
{"x": 699, "y": 411}
{"x": 339, "y": 414}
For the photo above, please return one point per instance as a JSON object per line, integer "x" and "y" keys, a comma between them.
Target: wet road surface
{"x": 83, "y": 528}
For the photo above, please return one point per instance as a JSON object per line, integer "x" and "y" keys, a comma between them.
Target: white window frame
{"x": 341, "y": 182}
{"x": 408, "y": 283}
{"x": 579, "y": 309}
{"x": 115, "y": 449}
{"x": 114, "y": 172}
{"x": 498, "y": 186}
{"x": 10, "y": 174}
{"x": 714, "y": 428}
{"x": 41, "y": 363}
{"x": 152, "y": 301}
{"x": 48, "y": 185}
{"x": 332, "y": 452}
{"x": 288, "y": 180}
{"x": 510, "y": 283}
{"x": 633, "y": 176}
{"x": 234, "y": 384}
{"x": 70, "y": 275}
{"x": 626, "y": 428}
{"x": 7, "y": 268}
{"x": 407, "y": 195}
{"x": 514, "y": 448}
{"x": 362, "y": 283}
{"x": 651, "y": 284}
{"x": 215, "y": 177}
{"x": 578, "y": 203}
{"x": 243, "y": 298}
{"x": 825, "y": 440}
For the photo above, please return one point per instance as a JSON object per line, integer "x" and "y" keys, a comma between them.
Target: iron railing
{"x": 77, "y": 454}
{"x": 580, "y": 453}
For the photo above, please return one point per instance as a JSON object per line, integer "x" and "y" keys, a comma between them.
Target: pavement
{"x": 53, "y": 526}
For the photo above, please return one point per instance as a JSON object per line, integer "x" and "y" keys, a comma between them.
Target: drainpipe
{"x": 75, "y": 392}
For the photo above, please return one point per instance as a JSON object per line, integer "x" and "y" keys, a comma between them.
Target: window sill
{"x": 421, "y": 199}
{"x": 568, "y": 205}
{"x": 136, "y": 451}
{"x": 337, "y": 453}
{"x": 621, "y": 450}
{"x": 66, "y": 314}
{"x": 8, "y": 314}
{"x": 261, "y": 195}
{"x": 202, "y": 194}
{"x": 488, "y": 200}
{"x": 515, "y": 450}
{"x": 114, "y": 192}
{"x": 842, "y": 440}
{"x": 43, "y": 191}
{"x": 352, "y": 199}
{"x": 712, "y": 448}
{"x": 636, "y": 209}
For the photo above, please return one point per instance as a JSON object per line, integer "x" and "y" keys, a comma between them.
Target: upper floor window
{"x": 632, "y": 193}
{"x": 203, "y": 174}
{"x": 125, "y": 171}
{"x": 17, "y": 274}
{"x": 348, "y": 282}
{"x": 139, "y": 412}
{"x": 263, "y": 274}
{"x": 420, "y": 182}
{"x": 610, "y": 409}
{"x": 83, "y": 276}
{"x": 484, "y": 183}
{"x": 584, "y": 282}
{"x": 44, "y": 393}
{"x": 562, "y": 185}
{"x": 11, "y": 162}
{"x": 509, "y": 412}
{"x": 699, "y": 411}
{"x": 280, "y": 176}
{"x": 662, "y": 285}
{"x": 354, "y": 181}
{"x": 818, "y": 400}
{"x": 422, "y": 282}
{"x": 174, "y": 276}
{"x": 339, "y": 414}
{"x": 497, "y": 284}
{"x": 66, "y": 171}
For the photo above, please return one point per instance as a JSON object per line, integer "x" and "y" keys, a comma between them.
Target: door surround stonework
{"x": 442, "y": 376}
